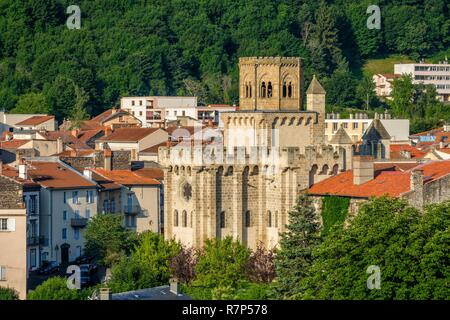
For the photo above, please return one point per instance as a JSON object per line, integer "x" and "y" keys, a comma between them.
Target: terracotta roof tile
{"x": 35, "y": 120}
{"x": 396, "y": 151}
{"x": 152, "y": 173}
{"x": 125, "y": 177}
{"x": 392, "y": 183}
{"x": 12, "y": 144}
{"x": 129, "y": 134}
{"x": 55, "y": 175}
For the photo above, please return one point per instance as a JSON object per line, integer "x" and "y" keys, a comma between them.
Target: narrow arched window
{"x": 247, "y": 219}
{"x": 175, "y": 218}
{"x": 222, "y": 219}
{"x": 284, "y": 90}
{"x": 263, "y": 90}
{"x": 269, "y": 90}
{"x": 269, "y": 219}
{"x": 290, "y": 90}
{"x": 250, "y": 89}
{"x": 184, "y": 219}
{"x": 246, "y": 90}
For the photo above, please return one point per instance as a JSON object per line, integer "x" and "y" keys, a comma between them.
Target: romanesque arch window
{"x": 222, "y": 221}
{"x": 175, "y": 218}
{"x": 186, "y": 191}
{"x": 263, "y": 89}
{"x": 250, "y": 89}
{"x": 289, "y": 89}
{"x": 184, "y": 219}
{"x": 312, "y": 175}
{"x": 248, "y": 222}
{"x": 269, "y": 219}
{"x": 335, "y": 169}
{"x": 325, "y": 169}
{"x": 284, "y": 89}
{"x": 269, "y": 90}
{"x": 246, "y": 90}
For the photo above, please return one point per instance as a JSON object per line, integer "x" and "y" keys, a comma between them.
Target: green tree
{"x": 147, "y": 266}
{"x": 107, "y": 239}
{"x": 8, "y": 294}
{"x": 377, "y": 236}
{"x": 222, "y": 263}
{"x": 296, "y": 245}
{"x": 55, "y": 288}
{"x": 366, "y": 91}
{"x": 32, "y": 103}
{"x": 78, "y": 114}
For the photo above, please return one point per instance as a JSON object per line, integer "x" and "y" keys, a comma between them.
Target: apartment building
{"x": 132, "y": 139}
{"x": 383, "y": 84}
{"x": 357, "y": 124}
{"x": 437, "y": 74}
{"x": 13, "y": 241}
{"x": 67, "y": 201}
{"x": 135, "y": 196}
{"x": 10, "y": 122}
{"x": 156, "y": 110}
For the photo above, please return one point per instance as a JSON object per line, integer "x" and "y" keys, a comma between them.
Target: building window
{"x": 246, "y": 90}
{"x": 32, "y": 204}
{"x": 263, "y": 90}
{"x": 140, "y": 103}
{"x": 335, "y": 126}
{"x": 113, "y": 206}
{"x": 75, "y": 197}
{"x": 132, "y": 102}
{"x": 183, "y": 113}
{"x": 175, "y": 218}
{"x": 290, "y": 90}
{"x": 184, "y": 218}
{"x": 65, "y": 197}
{"x": 355, "y": 125}
{"x": 3, "y": 224}
{"x": 222, "y": 219}
{"x": 269, "y": 219}
{"x": 345, "y": 125}
{"x": 140, "y": 113}
{"x": 33, "y": 256}
{"x": 105, "y": 206}
{"x": 76, "y": 214}
{"x": 284, "y": 90}
{"x": 64, "y": 234}
{"x": 90, "y": 196}
{"x": 64, "y": 215}
{"x": 76, "y": 234}
{"x": 88, "y": 213}
{"x": 2, "y": 273}
{"x": 250, "y": 89}
{"x": 175, "y": 113}
{"x": 247, "y": 219}
{"x": 269, "y": 90}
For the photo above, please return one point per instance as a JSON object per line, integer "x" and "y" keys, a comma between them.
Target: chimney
{"x": 113, "y": 110}
{"x": 107, "y": 154}
{"x": 59, "y": 145}
{"x": 174, "y": 286}
{"x": 105, "y": 294}
{"x": 22, "y": 170}
{"x": 362, "y": 169}
{"x": 107, "y": 131}
{"x": 87, "y": 173}
{"x": 441, "y": 145}
{"x": 75, "y": 133}
{"x": 416, "y": 182}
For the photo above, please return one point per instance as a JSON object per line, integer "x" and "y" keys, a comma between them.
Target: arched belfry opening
{"x": 277, "y": 81}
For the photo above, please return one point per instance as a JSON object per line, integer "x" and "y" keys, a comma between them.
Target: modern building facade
{"x": 437, "y": 74}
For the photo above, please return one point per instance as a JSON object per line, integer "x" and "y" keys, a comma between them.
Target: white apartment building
{"x": 383, "y": 84}
{"x": 155, "y": 110}
{"x": 68, "y": 200}
{"x": 428, "y": 73}
{"x": 356, "y": 125}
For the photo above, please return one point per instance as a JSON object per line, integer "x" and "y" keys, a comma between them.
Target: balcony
{"x": 33, "y": 241}
{"x": 132, "y": 210}
{"x": 78, "y": 222}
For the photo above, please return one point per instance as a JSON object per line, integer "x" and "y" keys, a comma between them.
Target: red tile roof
{"x": 55, "y": 175}
{"x": 152, "y": 173}
{"x": 12, "y": 144}
{"x": 35, "y": 120}
{"x": 129, "y": 134}
{"x": 396, "y": 149}
{"x": 125, "y": 177}
{"x": 67, "y": 138}
{"x": 392, "y": 183}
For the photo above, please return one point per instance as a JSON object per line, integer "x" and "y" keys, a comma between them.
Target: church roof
{"x": 315, "y": 87}
{"x": 341, "y": 137}
{"x": 376, "y": 131}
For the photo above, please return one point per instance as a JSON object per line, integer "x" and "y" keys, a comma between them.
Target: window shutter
{"x": 11, "y": 224}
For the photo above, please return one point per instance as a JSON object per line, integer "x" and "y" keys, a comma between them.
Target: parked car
{"x": 48, "y": 268}
{"x": 83, "y": 260}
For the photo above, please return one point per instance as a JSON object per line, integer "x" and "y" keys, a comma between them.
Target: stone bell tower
{"x": 270, "y": 83}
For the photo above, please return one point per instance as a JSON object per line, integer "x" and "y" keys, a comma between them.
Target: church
{"x": 272, "y": 149}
